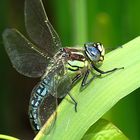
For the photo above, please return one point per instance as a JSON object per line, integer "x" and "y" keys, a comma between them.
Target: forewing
{"x": 39, "y": 28}
{"x": 25, "y": 58}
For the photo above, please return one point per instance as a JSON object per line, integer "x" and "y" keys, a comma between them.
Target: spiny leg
{"x": 85, "y": 81}
{"x": 75, "y": 103}
{"x": 74, "y": 80}
{"x": 105, "y": 72}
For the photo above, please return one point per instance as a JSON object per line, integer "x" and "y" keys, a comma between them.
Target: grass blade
{"x": 99, "y": 96}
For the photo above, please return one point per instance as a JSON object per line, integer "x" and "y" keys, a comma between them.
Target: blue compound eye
{"x": 93, "y": 53}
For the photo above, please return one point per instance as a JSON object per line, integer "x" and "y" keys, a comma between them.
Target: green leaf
{"x": 6, "y": 137}
{"x": 99, "y": 96}
{"x": 104, "y": 130}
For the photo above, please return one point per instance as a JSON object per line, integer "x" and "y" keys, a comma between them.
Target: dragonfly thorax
{"x": 75, "y": 59}
{"x": 95, "y": 52}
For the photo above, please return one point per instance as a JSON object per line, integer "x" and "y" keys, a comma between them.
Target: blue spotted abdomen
{"x": 39, "y": 94}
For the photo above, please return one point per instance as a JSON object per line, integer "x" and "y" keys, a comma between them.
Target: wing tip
{"x": 7, "y": 32}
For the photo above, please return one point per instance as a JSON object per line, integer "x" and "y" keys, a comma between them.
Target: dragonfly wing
{"x": 64, "y": 86}
{"x": 39, "y": 28}
{"x": 47, "y": 108}
{"x": 25, "y": 58}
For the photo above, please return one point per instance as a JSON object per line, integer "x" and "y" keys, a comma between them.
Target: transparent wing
{"x": 64, "y": 86}
{"x": 25, "y": 58}
{"x": 39, "y": 28}
{"x": 63, "y": 81}
{"x": 48, "y": 113}
{"x": 47, "y": 108}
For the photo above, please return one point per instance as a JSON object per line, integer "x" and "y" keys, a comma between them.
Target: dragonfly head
{"x": 95, "y": 52}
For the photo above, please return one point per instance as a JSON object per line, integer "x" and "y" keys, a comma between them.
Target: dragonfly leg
{"x": 105, "y": 72}
{"x": 85, "y": 81}
{"x": 76, "y": 78}
{"x": 75, "y": 103}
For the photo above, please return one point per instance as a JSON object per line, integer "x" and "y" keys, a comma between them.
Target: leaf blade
{"x": 100, "y": 95}
{"x": 104, "y": 130}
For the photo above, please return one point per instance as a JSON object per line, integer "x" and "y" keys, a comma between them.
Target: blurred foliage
{"x": 111, "y": 22}
{"x": 104, "y": 130}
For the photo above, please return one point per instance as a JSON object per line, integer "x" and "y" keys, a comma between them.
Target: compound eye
{"x": 93, "y": 53}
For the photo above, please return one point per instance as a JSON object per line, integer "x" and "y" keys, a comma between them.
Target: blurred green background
{"x": 77, "y": 21}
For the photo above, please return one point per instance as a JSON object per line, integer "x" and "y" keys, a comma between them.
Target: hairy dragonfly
{"x": 43, "y": 56}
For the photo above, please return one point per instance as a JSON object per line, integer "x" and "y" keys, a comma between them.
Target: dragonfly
{"x": 42, "y": 56}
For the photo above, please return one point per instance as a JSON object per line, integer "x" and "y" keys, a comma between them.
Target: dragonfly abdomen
{"x": 39, "y": 93}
